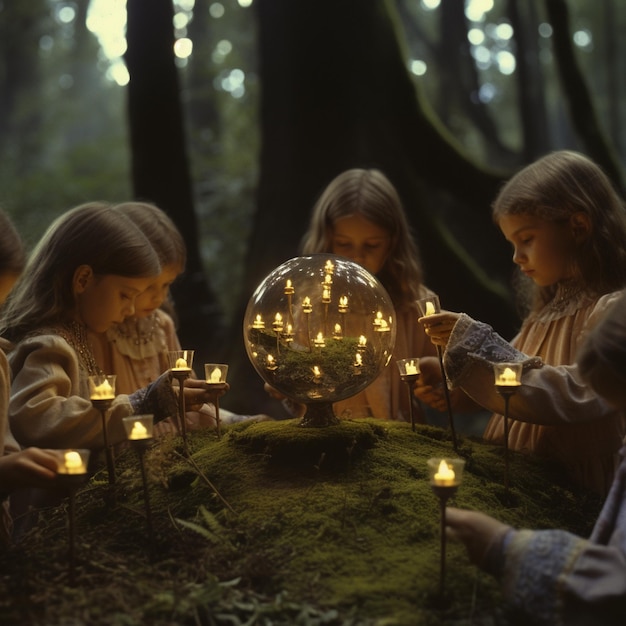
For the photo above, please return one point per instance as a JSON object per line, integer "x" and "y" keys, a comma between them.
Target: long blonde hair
{"x": 369, "y": 193}
{"x": 554, "y": 188}
{"x": 90, "y": 234}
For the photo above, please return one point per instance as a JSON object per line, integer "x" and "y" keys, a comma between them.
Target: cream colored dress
{"x": 136, "y": 352}
{"x": 554, "y": 414}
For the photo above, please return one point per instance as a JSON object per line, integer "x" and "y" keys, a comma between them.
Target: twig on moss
{"x": 205, "y": 478}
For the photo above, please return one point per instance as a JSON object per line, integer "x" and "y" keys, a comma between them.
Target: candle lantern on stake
{"x": 431, "y": 306}
{"x": 71, "y": 474}
{"x": 445, "y": 477}
{"x": 508, "y": 377}
{"x": 102, "y": 394}
{"x": 139, "y": 430}
{"x": 409, "y": 373}
{"x": 215, "y": 376}
{"x": 339, "y": 309}
{"x": 181, "y": 362}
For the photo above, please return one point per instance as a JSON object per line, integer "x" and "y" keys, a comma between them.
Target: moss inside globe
{"x": 319, "y": 329}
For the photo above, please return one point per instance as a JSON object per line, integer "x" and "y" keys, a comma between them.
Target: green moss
{"x": 311, "y": 526}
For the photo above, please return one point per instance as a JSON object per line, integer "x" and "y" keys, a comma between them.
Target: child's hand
{"x": 32, "y": 467}
{"x": 273, "y": 393}
{"x": 429, "y": 386}
{"x": 479, "y": 532}
{"x": 197, "y": 392}
{"x": 439, "y": 326}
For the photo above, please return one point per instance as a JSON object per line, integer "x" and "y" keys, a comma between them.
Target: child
{"x": 84, "y": 274}
{"x": 360, "y": 216}
{"x": 567, "y": 227}
{"x": 32, "y": 466}
{"x": 136, "y": 349}
{"x": 552, "y": 576}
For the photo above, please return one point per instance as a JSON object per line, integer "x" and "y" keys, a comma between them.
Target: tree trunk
{"x": 336, "y": 94}
{"x": 578, "y": 97}
{"x": 160, "y": 168}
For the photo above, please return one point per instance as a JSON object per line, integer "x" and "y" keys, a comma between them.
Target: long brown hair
{"x": 368, "y": 192}
{"x": 90, "y": 234}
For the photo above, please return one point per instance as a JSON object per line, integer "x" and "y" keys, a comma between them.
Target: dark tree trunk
{"x": 336, "y": 94}
{"x": 160, "y": 166}
{"x": 578, "y": 97}
{"x": 21, "y": 85}
{"x": 530, "y": 82}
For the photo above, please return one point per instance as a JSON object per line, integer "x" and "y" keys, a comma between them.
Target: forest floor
{"x": 275, "y": 524}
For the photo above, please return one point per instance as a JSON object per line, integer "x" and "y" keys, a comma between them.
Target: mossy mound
{"x": 278, "y": 524}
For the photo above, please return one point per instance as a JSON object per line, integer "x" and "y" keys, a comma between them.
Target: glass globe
{"x": 319, "y": 329}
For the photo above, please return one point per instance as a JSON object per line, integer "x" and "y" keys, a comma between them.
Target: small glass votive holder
{"x": 72, "y": 467}
{"x": 445, "y": 473}
{"x": 102, "y": 387}
{"x": 215, "y": 373}
{"x": 180, "y": 360}
{"x": 507, "y": 376}
{"x": 409, "y": 368}
{"x": 429, "y": 306}
{"x": 139, "y": 427}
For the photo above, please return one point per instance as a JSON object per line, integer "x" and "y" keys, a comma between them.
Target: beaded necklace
{"x": 76, "y": 335}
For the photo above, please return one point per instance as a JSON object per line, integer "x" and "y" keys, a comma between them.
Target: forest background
{"x": 233, "y": 115}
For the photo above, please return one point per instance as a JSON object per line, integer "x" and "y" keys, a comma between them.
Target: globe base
{"x": 319, "y": 415}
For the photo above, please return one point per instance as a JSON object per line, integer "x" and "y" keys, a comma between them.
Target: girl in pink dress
{"x": 567, "y": 227}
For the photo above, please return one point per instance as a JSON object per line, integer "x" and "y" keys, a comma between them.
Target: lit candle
{"x": 379, "y": 317}
{"x": 337, "y": 334}
{"x": 271, "y": 363}
{"x": 306, "y": 305}
{"x": 258, "y": 323}
{"x": 289, "y": 333}
{"x": 289, "y": 290}
{"x": 181, "y": 364}
{"x": 278, "y": 323}
{"x": 317, "y": 374}
{"x": 319, "y": 340}
{"x": 362, "y": 342}
{"x": 139, "y": 431}
{"x": 328, "y": 280}
{"x": 343, "y": 304}
{"x": 444, "y": 477}
{"x": 358, "y": 360}
{"x": 326, "y": 295}
{"x": 382, "y": 326}
{"x": 216, "y": 376}
{"x": 430, "y": 308}
{"x": 73, "y": 463}
{"x": 507, "y": 378}
{"x": 410, "y": 368}
{"x": 329, "y": 268}
{"x": 104, "y": 391}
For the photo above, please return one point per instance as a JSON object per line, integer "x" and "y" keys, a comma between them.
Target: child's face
{"x": 542, "y": 249}
{"x": 361, "y": 241}
{"x": 156, "y": 293}
{"x": 106, "y": 300}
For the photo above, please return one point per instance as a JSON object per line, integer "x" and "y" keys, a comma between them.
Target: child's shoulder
{"x": 165, "y": 320}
